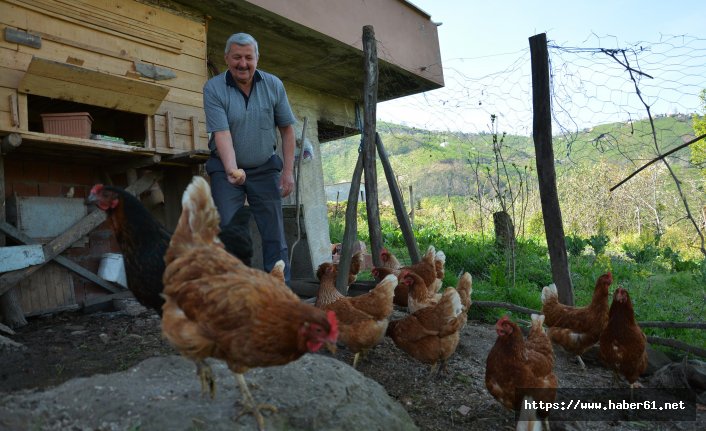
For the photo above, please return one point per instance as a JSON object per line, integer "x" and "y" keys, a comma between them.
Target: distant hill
{"x": 440, "y": 163}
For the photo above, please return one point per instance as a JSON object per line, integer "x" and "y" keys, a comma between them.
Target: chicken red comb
{"x": 331, "y": 317}
{"x": 96, "y": 189}
{"x": 501, "y": 321}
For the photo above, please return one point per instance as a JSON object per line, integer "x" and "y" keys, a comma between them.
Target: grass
{"x": 658, "y": 290}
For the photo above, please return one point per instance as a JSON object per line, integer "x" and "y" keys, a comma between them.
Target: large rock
{"x": 163, "y": 393}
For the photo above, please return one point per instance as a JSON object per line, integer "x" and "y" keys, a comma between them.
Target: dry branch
{"x": 506, "y": 305}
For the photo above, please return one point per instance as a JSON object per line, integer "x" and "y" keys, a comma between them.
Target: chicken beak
{"x": 330, "y": 346}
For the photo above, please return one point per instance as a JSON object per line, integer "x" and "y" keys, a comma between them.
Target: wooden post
{"x": 10, "y": 142}
{"x": 411, "y": 204}
{"x": 370, "y": 99}
{"x": 335, "y": 212}
{"x": 10, "y": 309}
{"x": 542, "y": 134}
{"x": 350, "y": 232}
{"x": 398, "y": 202}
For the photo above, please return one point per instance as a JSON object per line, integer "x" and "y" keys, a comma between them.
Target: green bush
{"x": 575, "y": 245}
{"x": 599, "y": 242}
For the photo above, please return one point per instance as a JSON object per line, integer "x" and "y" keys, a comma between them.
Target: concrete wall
{"x": 315, "y": 107}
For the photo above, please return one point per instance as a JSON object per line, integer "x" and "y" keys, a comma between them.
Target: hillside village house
{"x": 111, "y": 91}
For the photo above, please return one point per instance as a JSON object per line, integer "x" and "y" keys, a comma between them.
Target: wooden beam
{"x": 370, "y": 100}
{"x": 350, "y": 231}
{"x": 398, "y": 202}
{"x": 10, "y": 142}
{"x": 73, "y": 234}
{"x": 135, "y": 164}
{"x": 186, "y": 158}
{"x": 15, "y": 234}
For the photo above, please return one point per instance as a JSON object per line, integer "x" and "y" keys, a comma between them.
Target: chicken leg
{"x": 580, "y": 361}
{"x": 205, "y": 373}
{"x": 250, "y": 405}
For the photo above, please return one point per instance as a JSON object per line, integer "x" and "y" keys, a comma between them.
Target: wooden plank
{"x": 14, "y": 59}
{"x": 95, "y": 79}
{"x": 136, "y": 164}
{"x": 182, "y": 126}
{"x": 74, "y": 143}
{"x": 17, "y": 235}
{"x": 191, "y": 27}
{"x": 114, "y": 25}
{"x": 177, "y": 109}
{"x": 41, "y": 22}
{"x": 48, "y": 290}
{"x": 11, "y": 78}
{"x": 149, "y": 131}
{"x": 75, "y": 92}
{"x": 180, "y": 142}
{"x": 20, "y": 256}
{"x": 187, "y": 158}
{"x": 170, "y": 129}
{"x": 5, "y": 94}
{"x": 195, "y": 138}
{"x": 183, "y": 97}
{"x": 190, "y": 72}
{"x": 114, "y": 58}
{"x": 14, "y": 110}
{"x": 24, "y": 110}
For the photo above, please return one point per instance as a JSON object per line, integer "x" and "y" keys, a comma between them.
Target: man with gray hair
{"x": 244, "y": 109}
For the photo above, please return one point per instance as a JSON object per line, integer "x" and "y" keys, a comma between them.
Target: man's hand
{"x": 286, "y": 184}
{"x": 236, "y": 176}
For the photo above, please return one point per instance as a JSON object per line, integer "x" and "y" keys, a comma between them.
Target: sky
{"x": 485, "y": 56}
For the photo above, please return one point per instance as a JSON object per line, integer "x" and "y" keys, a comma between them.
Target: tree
{"x": 698, "y": 150}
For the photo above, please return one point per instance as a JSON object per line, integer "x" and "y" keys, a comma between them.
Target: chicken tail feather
{"x": 199, "y": 218}
{"x": 549, "y": 293}
{"x": 198, "y": 223}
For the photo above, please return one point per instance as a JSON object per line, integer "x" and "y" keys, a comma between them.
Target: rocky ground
{"x": 62, "y": 347}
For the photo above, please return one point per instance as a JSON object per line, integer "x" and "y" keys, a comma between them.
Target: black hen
{"x": 143, "y": 241}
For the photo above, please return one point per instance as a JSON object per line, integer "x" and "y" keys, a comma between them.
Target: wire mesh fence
{"x": 465, "y": 150}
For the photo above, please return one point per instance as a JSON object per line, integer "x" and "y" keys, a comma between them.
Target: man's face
{"x": 242, "y": 62}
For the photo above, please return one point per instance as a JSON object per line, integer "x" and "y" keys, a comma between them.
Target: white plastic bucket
{"x": 112, "y": 268}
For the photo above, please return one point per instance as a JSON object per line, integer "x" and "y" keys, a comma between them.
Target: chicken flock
{"x": 214, "y": 305}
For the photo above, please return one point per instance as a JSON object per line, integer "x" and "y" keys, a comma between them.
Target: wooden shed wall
{"x": 109, "y": 36}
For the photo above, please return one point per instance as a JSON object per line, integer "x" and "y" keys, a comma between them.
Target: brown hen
{"x": 215, "y": 306}
{"x": 517, "y": 368}
{"x": 430, "y": 335}
{"x": 622, "y": 343}
{"x": 362, "y": 319}
{"x": 577, "y": 328}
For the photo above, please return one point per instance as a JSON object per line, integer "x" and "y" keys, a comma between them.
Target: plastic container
{"x": 74, "y": 124}
{"x": 112, "y": 268}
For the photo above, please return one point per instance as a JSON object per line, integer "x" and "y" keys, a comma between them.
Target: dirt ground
{"x": 73, "y": 344}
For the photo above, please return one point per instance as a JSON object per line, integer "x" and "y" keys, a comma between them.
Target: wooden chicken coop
{"x": 92, "y": 91}
{"x": 111, "y": 91}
